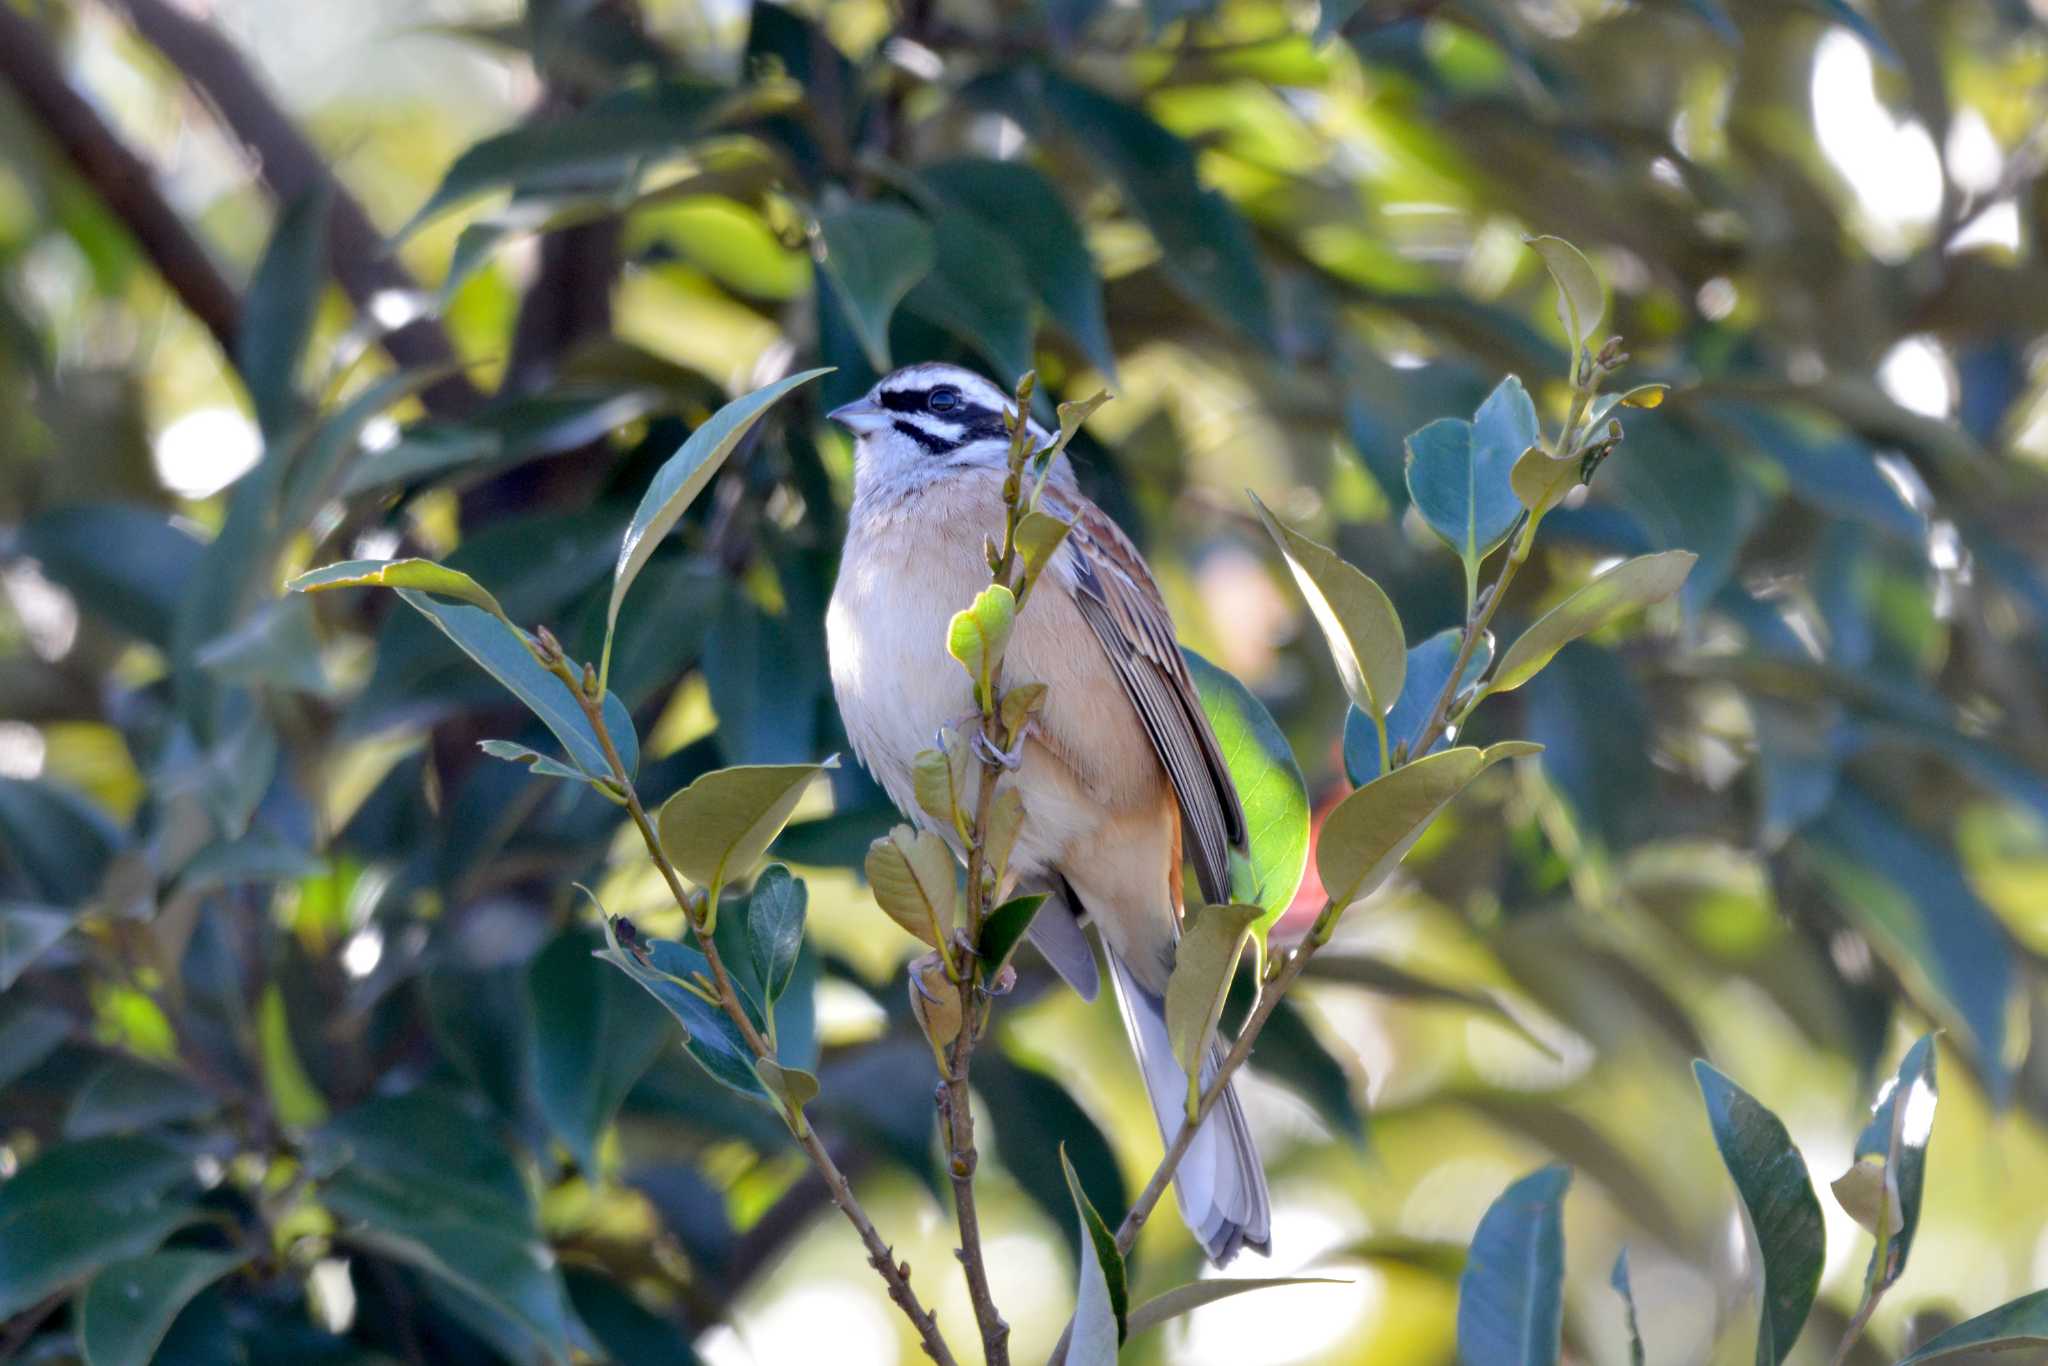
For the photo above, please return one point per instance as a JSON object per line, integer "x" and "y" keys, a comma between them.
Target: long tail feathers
{"x": 1221, "y": 1184}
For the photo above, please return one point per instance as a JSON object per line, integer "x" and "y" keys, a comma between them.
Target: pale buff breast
{"x": 906, "y": 571}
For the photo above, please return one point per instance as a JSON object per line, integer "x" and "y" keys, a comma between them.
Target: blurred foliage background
{"x": 293, "y": 977}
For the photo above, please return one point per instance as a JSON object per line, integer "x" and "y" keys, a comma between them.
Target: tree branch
{"x": 122, "y": 180}
{"x": 360, "y": 258}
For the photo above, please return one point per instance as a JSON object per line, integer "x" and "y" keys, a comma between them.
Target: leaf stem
{"x": 1475, "y": 628}
{"x": 880, "y": 1255}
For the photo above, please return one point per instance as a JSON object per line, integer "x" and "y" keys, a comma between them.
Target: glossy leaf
{"x": 911, "y": 873}
{"x": 1429, "y": 666}
{"x": 128, "y": 1308}
{"x": 1102, "y": 1302}
{"x": 1581, "y": 298}
{"x": 1359, "y": 623}
{"x": 1778, "y": 1203}
{"x": 710, "y": 1037}
{"x": 1511, "y": 1295}
{"x": 424, "y": 575}
{"x": 678, "y": 482}
{"x": 874, "y": 255}
{"x": 1903, "y": 1115}
{"x": 1269, "y": 784}
{"x": 1185, "y": 1299}
{"x": 775, "y": 928}
{"x": 1607, "y": 597}
{"x": 1372, "y": 830}
{"x": 1004, "y": 929}
{"x": 1462, "y": 484}
{"x": 2018, "y": 1326}
{"x": 1212, "y": 940}
{"x": 716, "y": 829}
{"x": 1019, "y": 202}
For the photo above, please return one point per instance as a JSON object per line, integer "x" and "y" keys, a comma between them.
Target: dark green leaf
{"x": 1511, "y": 1297}
{"x": 1460, "y": 482}
{"x": 1004, "y": 929}
{"x": 624, "y": 1328}
{"x": 26, "y": 930}
{"x": 125, "y": 1097}
{"x": 2021, "y": 1325}
{"x": 81, "y": 1205}
{"x": 873, "y": 255}
{"x": 55, "y": 840}
{"x": 1104, "y": 1297}
{"x": 681, "y": 478}
{"x": 279, "y": 307}
{"x": 128, "y": 1308}
{"x": 1269, "y": 784}
{"x": 593, "y": 1036}
{"x": 1017, "y": 201}
{"x": 712, "y": 1040}
{"x": 1907, "y": 1108}
{"x": 1037, "y": 1124}
{"x": 275, "y": 646}
{"x": 1778, "y": 1203}
{"x": 29, "y": 1033}
{"x": 336, "y": 440}
{"x": 775, "y": 928}
{"x": 977, "y": 291}
{"x": 127, "y": 565}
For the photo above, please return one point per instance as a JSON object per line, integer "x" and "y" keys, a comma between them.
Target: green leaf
{"x": 1269, "y": 785}
{"x": 1005, "y": 824}
{"x": 26, "y": 930}
{"x": 1429, "y": 667}
{"x": 1778, "y": 1202}
{"x": 979, "y": 633}
{"x": 56, "y": 841}
{"x": 1203, "y": 965}
{"x": 337, "y": 438}
{"x": 29, "y": 1033}
{"x": 607, "y": 139}
{"x": 678, "y": 482}
{"x": 274, "y": 646}
{"x": 1626, "y": 587}
{"x": 504, "y": 654}
{"x": 125, "y": 1096}
{"x": 911, "y": 875}
{"x": 1185, "y": 1299}
{"x": 1024, "y": 206}
{"x": 278, "y": 310}
{"x": 775, "y": 928}
{"x": 593, "y": 1036}
{"x": 533, "y": 759}
{"x": 1618, "y": 1278}
{"x": 873, "y": 255}
{"x": 793, "y": 1086}
{"x": 710, "y": 1037}
{"x": 126, "y": 565}
{"x": 423, "y": 575}
{"x": 1206, "y": 249}
{"x": 1511, "y": 1296}
{"x": 977, "y": 291}
{"x": 1581, "y": 298}
{"x": 1373, "y": 829}
{"x": 1039, "y": 1128}
{"x": 940, "y": 780}
{"x": 1462, "y": 485}
{"x": 1004, "y": 930}
{"x": 81, "y": 1205}
{"x": 129, "y": 1306}
{"x": 1358, "y": 620}
{"x": 1039, "y": 535}
{"x": 1104, "y": 1296}
{"x": 1906, "y": 1108}
{"x": 716, "y": 829}
{"x": 1541, "y": 481}
{"x": 2021, "y": 1323}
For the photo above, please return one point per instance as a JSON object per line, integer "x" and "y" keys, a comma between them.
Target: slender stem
{"x": 1858, "y": 1323}
{"x": 1269, "y": 1001}
{"x": 1474, "y": 629}
{"x": 880, "y": 1255}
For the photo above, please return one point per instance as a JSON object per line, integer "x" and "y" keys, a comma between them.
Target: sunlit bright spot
{"x": 1995, "y": 225}
{"x": 380, "y": 433}
{"x": 1918, "y": 1121}
{"x": 1261, "y": 1326}
{"x": 21, "y": 750}
{"x": 1001, "y": 136}
{"x": 1905, "y": 481}
{"x": 48, "y": 616}
{"x": 394, "y": 308}
{"x": 362, "y": 953}
{"x": 1917, "y": 374}
{"x": 1975, "y": 162}
{"x": 828, "y": 1321}
{"x": 1717, "y": 298}
{"x": 1891, "y": 164}
{"x": 333, "y": 1294}
{"x": 204, "y": 451}
{"x": 1446, "y": 1204}
{"x": 378, "y": 543}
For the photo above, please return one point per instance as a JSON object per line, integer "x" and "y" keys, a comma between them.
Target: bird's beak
{"x": 861, "y": 416}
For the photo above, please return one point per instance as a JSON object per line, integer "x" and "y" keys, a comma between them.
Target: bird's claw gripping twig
{"x": 1005, "y": 759}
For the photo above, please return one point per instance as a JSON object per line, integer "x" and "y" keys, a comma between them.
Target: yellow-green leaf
{"x": 1581, "y": 298}
{"x": 1358, "y": 620}
{"x": 794, "y": 1086}
{"x": 1645, "y": 396}
{"x": 718, "y": 827}
{"x": 1202, "y": 968}
{"x": 1373, "y": 829}
{"x": 1541, "y": 481}
{"x": 1005, "y": 823}
{"x": 1865, "y": 1195}
{"x": 1039, "y": 534}
{"x": 911, "y": 874}
{"x": 935, "y": 1001}
{"x": 1073, "y": 414}
{"x": 424, "y": 575}
{"x": 940, "y": 781}
{"x": 979, "y": 632}
{"x": 1622, "y": 589}
{"x": 1019, "y": 702}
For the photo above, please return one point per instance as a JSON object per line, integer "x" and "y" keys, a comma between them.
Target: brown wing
{"x": 1118, "y": 599}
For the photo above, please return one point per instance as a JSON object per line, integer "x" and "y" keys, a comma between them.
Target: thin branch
{"x": 291, "y": 166}
{"x": 121, "y": 179}
{"x": 880, "y": 1255}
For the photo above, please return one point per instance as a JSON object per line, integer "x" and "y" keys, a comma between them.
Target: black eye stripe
{"x": 904, "y": 400}
{"x": 935, "y": 445}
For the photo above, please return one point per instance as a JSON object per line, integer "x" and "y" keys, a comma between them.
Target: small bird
{"x": 1118, "y": 760}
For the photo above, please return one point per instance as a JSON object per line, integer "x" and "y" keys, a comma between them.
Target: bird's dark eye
{"x": 943, "y": 399}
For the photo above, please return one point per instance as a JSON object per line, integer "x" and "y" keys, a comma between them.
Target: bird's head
{"x": 928, "y": 420}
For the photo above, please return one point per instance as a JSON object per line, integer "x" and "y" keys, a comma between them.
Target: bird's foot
{"x": 1006, "y": 759}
